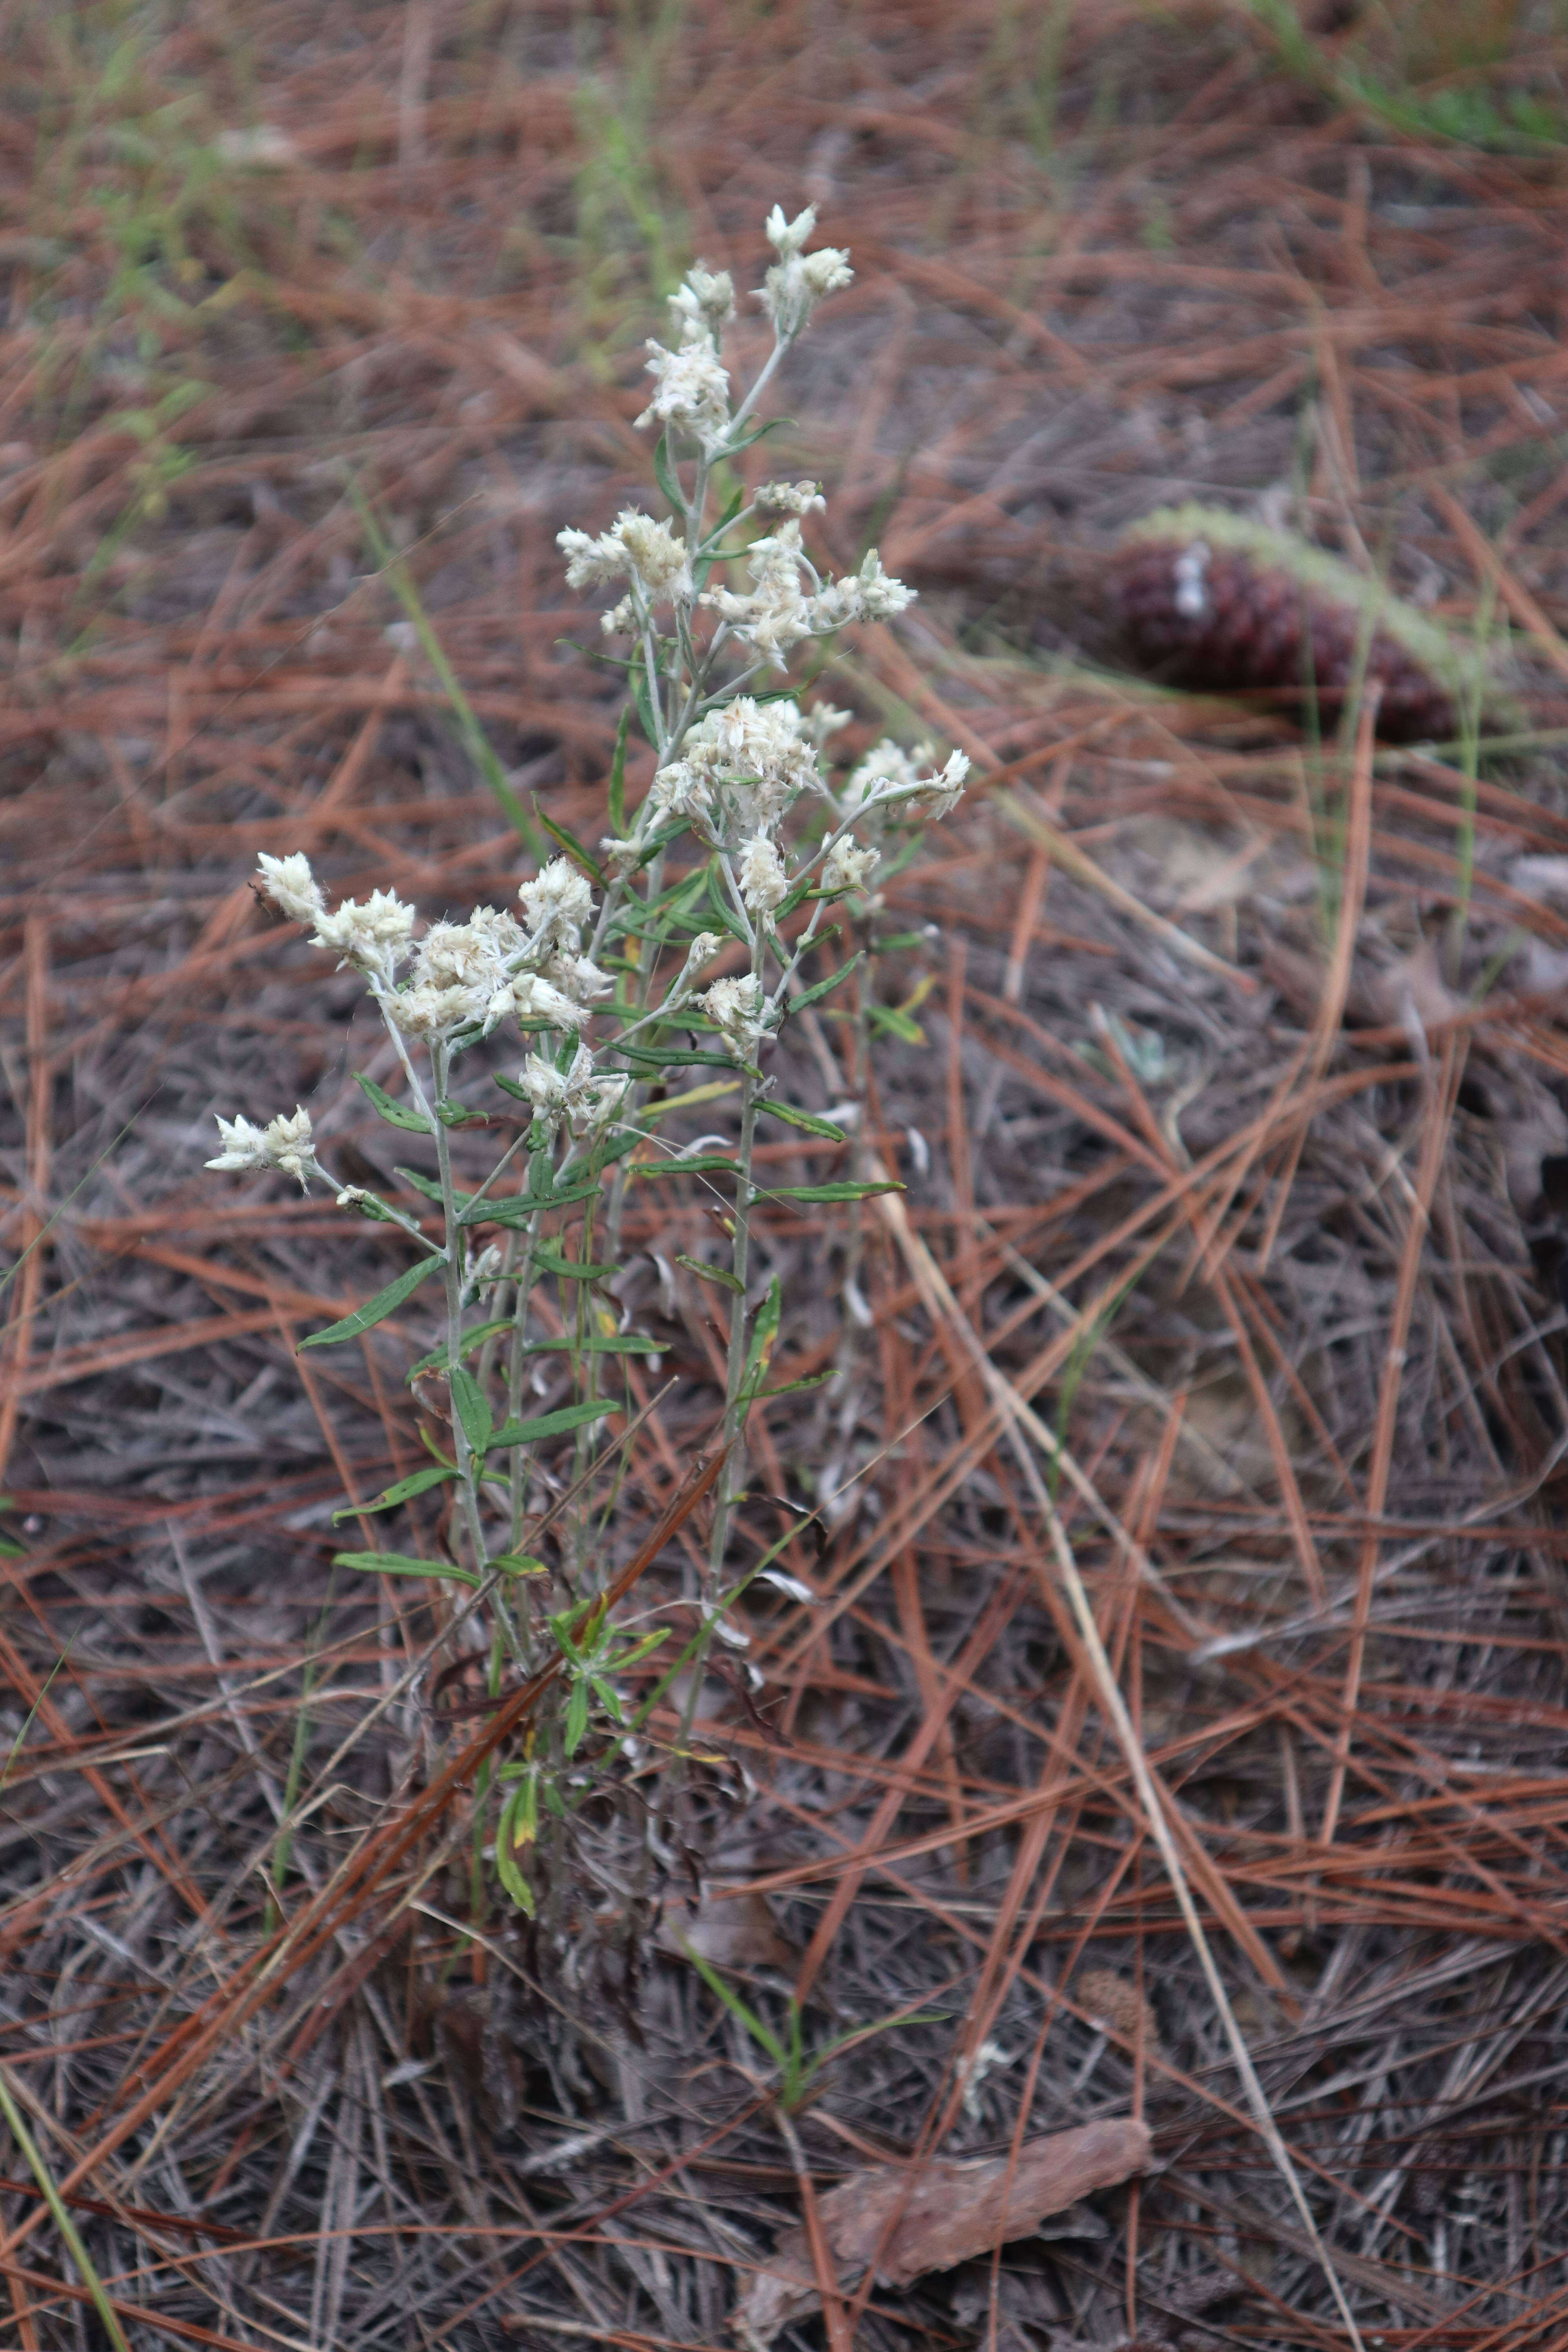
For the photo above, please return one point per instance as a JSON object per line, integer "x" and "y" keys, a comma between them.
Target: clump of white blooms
{"x": 790, "y": 498}
{"x": 284, "y": 1144}
{"x": 848, "y": 867}
{"x": 761, "y": 874}
{"x": 737, "y": 1011}
{"x": 798, "y": 281}
{"x": 741, "y": 825}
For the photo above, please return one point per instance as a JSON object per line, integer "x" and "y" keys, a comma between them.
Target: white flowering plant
{"x": 693, "y": 919}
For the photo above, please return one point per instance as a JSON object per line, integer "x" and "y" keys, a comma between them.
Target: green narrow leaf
{"x": 664, "y": 475}
{"x": 575, "y": 849}
{"x": 473, "y": 1407}
{"x": 570, "y": 1269}
{"x": 616, "y": 805}
{"x": 701, "y": 1163}
{"x": 419, "y": 1482}
{"x": 394, "y": 1113}
{"x": 718, "y": 1273}
{"x": 794, "y": 1388}
{"x": 453, "y": 1115}
{"x": 384, "y": 1303}
{"x": 518, "y": 1563}
{"x": 645, "y": 1059}
{"x": 643, "y": 701}
{"x": 551, "y": 1424}
{"x": 813, "y": 1125}
{"x": 399, "y": 1563}
{"x": 577, "y": 1716}
{"x": 437, "y": 1360}
{"x": 722, "y": 909}
{"x": 892, "y": 1021}
{"x": 735, "y": 447}
{"x": 815, "y": 994}
{"x": 845, "y": 1191}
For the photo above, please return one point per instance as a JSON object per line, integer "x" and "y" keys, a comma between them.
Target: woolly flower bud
{"x": 881, "y": 596}
{"x": 704, "y": 304}
{"x": 557, "y": 902}
{"x": 798, "y": 281}
{"x": 788, "y": 237}
{"x": 703, "y": 949}
{"x": 285, "y": 1144}
{"x": 621, "y": 857}
{"x": 938, "y": 795}
{"x": 693, "y": 393}
{"x": 577, "y": 976}
{"x": 587, "y": 1101}
{"x": 822, "y": 720}
{"x": 655, "y": 555}
{"x": 763, "y": 882}
{"x": 533, "y": 999}
{"x": 290, "y": 885}
{"x": 373, "y": 936}
{"x": 735, "y": 1008}
{"x": 791, "y": 498}
{"x": 848, "y": 866}
{"x": 637, "y": 545}
{"x": 679, "y": 791}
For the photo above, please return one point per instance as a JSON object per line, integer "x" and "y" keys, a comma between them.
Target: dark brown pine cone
{"x": 1227, "y": 606}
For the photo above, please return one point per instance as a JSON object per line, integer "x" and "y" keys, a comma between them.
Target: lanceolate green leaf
{"x": 399, "y": 1563}
{"x": 473, "y": 1407}
{"x": 812, "y": 1124}
{"x": 846, "y": 1191}
{"x": 551, "y": 1424}
{"x": 385, "y": 1302}
{"x": 822, "y": 988}
{"x": 615, "y": 801}
{"x": 419, "y": 1482}
{"x": 395, "y": 1114}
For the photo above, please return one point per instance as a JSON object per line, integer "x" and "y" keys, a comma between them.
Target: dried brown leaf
{"x": 909, "y": 2222}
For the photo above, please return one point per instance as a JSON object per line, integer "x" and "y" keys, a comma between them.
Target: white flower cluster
{"x": 638, "y": 548}
{"x": 790, "y": 498}
{"x": 779, "y": 610}
{"x": 285, "y": 1144}
{"x": 889, "y": 776}
{"x": 798, "y": 281}
{"x": 738, "y": 1011}
{"x": 587, "y": 1103}
{"x": 462, "y": 974}
{"x": 741, "y": 768}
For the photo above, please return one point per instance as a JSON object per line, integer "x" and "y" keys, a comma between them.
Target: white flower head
{"x": 762, "y": 880}
{"x": 776, "y": 613}
{"x": 886, "y": 766}
{"x": 791, "y": 498}
{"x": 756, "y": 757}
{"x": 692, "y": 393}
{"x": 460, "y": 976}
{"x": 704, "y": 305}
{"x": 682, "y": 789}
{"x": 533, "y": 999}
{"x": 882, "y": 598}
{"x": 375, "y": 936}
{"x": 735, "y": 1008}
{"x": 798, "y": 281}
{"x": 938, "y": 795}
{"x": 587, "y": 1101}
{"x": 290, "y": 885}
{"x": 558, "y": 902}
{"x": 822, "y": 720}
{"x": 868, "y": 595}
{"x": 848, "y": 866}
{"x": 285, "y": 1144}
{"x": 637, "y": 546}
{"x": 577, "y": 977}
{"x": 620, "y": 857}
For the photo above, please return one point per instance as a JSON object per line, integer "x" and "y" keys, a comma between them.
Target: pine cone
{"x": 1228, "y": 606}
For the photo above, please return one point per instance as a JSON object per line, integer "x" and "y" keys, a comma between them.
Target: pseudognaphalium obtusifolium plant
{"x": 684, "y": 938}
